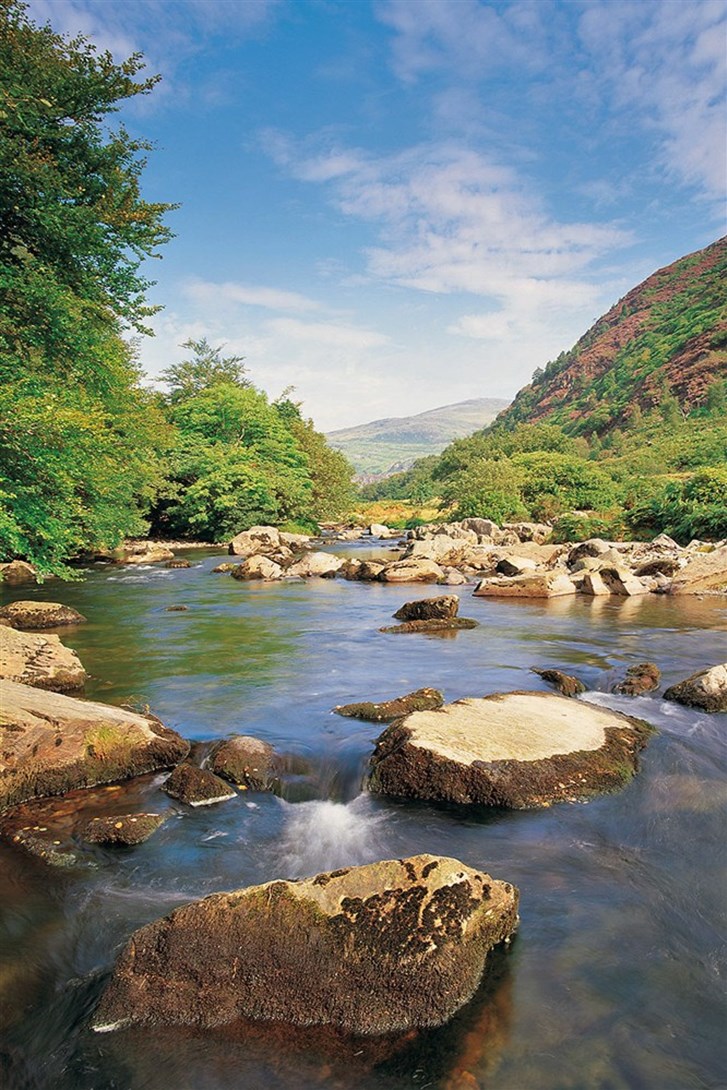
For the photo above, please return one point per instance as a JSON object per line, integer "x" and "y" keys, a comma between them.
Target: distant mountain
{"x": 387, "y": 446}
{"x": 667, "y": 338}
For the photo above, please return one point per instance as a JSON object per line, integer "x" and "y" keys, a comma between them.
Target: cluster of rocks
{"x": 515, "y": 560}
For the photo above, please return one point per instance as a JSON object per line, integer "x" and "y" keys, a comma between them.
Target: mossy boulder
{"x": 122, "y": 829}
{"x": 371, "y": 950}
{"x": 197, "y": 786}
{"x": 516, "y": 750}
{"x": 50, "y": 744}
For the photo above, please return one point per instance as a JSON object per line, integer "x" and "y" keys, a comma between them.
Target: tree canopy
{"x": 74, "y": 230}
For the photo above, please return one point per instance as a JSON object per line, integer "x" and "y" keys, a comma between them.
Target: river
{"x": 616, "y": 979}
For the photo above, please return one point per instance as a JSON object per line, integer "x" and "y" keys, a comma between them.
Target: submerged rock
{"x": 39, "y": 660}
{"x": 516, "y": 750}
{"x": 197, "y": 786}
{"x": 443, "y": 624}
{"x": 30, "y": 616}
{"x": 387, "y": 710}
{"x": 642, "y": 678}
{"x": 124, "y": 829}
{"x": 178, "y": 562}
{"x": 706, "y": 690}
{"x": 564, "y": 683}
{"x": 50, "y": 743}
{"x": 372, "y": 950}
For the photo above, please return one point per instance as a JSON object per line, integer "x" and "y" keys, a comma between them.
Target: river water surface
{"x": 616, "y": 980}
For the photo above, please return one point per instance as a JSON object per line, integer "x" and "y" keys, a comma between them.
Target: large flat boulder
{"x": 50, "y": 743}
{"x": 546, "y": 585}
{"x": 706, "y": 571}
{"x": 30, "y": 616}
{"x": 706, "y": 690}
{"x": 413, "y": 570}
{"x": 516, "y": 750}
{"x": 39, "y": 659}
{"x": 371, "y": 950}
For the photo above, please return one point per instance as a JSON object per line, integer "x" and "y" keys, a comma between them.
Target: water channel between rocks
{"x": 616, "y": 978}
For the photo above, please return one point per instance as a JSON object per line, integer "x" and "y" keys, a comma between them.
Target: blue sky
{"x": 400, "y": 204}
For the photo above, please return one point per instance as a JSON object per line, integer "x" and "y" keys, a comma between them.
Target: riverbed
{"x": 616, "y": 979}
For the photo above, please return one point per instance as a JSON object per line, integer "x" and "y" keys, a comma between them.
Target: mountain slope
{"x": 394, "y": 443}
{"x": 667, "y": 338}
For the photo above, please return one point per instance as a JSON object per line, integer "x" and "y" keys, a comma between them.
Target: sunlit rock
{"x": 705, "y": 572}
{"x": 39, "y": 659}
{"x": 537, "y": 585}
{"x": 706, "y": 690}
{"x": 50, "y": 743}
{"x": 30, "y": 616}
{"x": 516, "y": 750}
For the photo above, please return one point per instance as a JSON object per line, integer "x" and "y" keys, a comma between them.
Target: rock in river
{"x": 28, "y": 616}
{"x": 122, "y": 829}
{"x": 372, "y": 950}
{"x": 39, "y": 660}
{"x": 387, "y": 710}
{"x": 247, "y": 761}
{"x": 50, "y": 744}
{"x": 197, "y": 786}
{"x": 516, "y": 750}
{"x": 427, "y": 609}
{"x": 706, "y": 690}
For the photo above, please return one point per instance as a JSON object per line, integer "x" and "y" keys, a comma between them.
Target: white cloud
{"x": 330, "y": 334}
{"x": 254, "y": 295}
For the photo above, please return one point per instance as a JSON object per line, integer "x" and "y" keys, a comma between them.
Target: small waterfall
{"x": 322, "y": 835}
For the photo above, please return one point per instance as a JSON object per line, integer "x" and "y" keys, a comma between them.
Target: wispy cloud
{"x": 660, "y": 66}
{"x": 451, "y": 220}
{"x": 252, "y": 295}
{"x": 666, "y": 65}
{"x": 330, "y": 334}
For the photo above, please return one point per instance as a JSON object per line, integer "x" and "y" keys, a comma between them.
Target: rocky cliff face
{"x": 665, "y": 338}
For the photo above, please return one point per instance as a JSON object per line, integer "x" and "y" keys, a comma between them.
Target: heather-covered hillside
{"x": 665, "y": 338}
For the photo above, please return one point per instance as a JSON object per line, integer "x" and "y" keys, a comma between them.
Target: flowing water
{"x": 616, "y": 980}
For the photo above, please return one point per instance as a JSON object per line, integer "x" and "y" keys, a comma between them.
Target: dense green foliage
{"x": 641, "y": 481}
{"x": 86, "y": 453}
{"x": 237, "y": 459}
{"x": 73, "y": 232}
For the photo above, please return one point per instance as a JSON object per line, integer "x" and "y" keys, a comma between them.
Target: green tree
{"x": 207, "y": 367}
{"x": 74, "y": 231}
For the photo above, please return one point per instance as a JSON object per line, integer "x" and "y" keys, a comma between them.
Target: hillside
{"x": 665, "y": 338}
{"x": 388, "y": 446}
